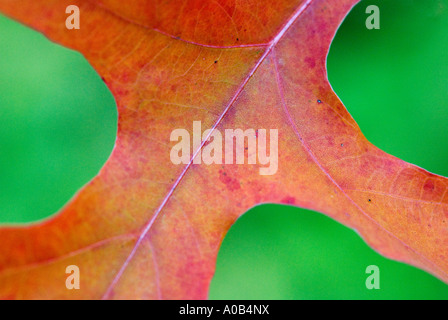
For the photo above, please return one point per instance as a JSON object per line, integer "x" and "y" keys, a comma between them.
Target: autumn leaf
{"x": 148, "y": 228}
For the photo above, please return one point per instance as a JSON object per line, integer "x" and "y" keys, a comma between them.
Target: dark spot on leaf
{"x": 429, "y": 186}
{"x": 207, "y": 142}
{"x": 310, "y": 62}
{"x": 288, "y": 200}
{"x": 231, "y": 184}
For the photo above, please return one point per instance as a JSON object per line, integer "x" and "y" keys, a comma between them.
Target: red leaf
{"x": 147, "y": 228}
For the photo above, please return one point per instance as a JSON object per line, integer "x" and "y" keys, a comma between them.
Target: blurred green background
{"x": 58, "y": 124}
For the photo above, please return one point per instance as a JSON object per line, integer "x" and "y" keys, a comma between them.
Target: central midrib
{"x": 156, "y": 214}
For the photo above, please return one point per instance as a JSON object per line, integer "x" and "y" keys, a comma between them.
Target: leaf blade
{"x": 162, "y": 82}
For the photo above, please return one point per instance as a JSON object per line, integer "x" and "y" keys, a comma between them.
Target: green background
{"x": 58, "y": 124}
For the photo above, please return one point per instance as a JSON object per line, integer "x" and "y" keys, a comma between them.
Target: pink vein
{"x": 210, "y": 45}
{"x": 148, "y": 226}
{"x": 178, "y": 38}
{"x": 316, "y": 161}
{"x": 123, "y": 237}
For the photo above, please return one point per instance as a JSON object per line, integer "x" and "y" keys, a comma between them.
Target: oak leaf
{"x": 147, "y": 228}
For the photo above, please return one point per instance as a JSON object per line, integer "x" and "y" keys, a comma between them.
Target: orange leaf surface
{"x": 147, "y": 228}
